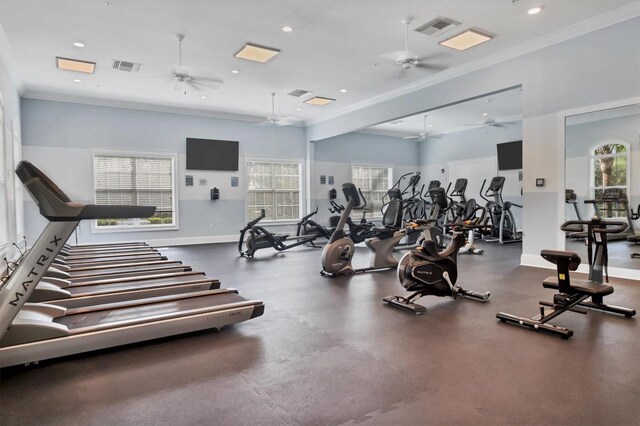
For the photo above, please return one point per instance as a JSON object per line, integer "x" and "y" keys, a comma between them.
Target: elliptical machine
{"x": 427, "y": 272}
{"x": 260, "y": 238}
{"x": 503, "y": 224}
{"x": 339, "y": 251}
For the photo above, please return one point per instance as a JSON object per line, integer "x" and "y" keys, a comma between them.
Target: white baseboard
{"x": 538, "y": 262}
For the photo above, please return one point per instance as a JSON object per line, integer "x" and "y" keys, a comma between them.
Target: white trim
{"x": 576, "y": 30}
{"x": 175, "y": 197}
{"x": 302, "y": 196}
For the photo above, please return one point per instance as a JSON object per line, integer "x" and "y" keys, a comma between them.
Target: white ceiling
{"x": 505, "y": 107}
{"x": 331, "y": 43}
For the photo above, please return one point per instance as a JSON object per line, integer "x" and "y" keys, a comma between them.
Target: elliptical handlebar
{"x": 335, "y": 207}
{"x": 483, "y": 194}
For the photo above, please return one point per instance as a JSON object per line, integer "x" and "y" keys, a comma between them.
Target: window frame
{"x": 301, "y": 193}
{"x": 95, "y": 229}
{"x": 592, "y": 169}
{"x": 377, "y": 213}
{"x": 4, "y": 181}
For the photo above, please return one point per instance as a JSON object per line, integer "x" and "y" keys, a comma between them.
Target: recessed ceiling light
{"x": 298, "y": 109}
{"x": 319, "y": 100}
{"x": 485, "y": 114}
{"x": 203, "y": 97}
{"x": 430, "y": 125}
{"x": 235, "y": 72}
{"x": 466, "y": 40}
{"x": 75, "y": 65}
{"x": 256, "y": 53}
{"x": 343, "y": 90}
{"x": 77, "y": 80}
{"x": 78, "y": 44}
{"x": 287, "y": 29}
{"x": 534, "y": 10}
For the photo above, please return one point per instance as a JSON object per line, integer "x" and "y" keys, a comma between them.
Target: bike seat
{"x": 581, "y": 286}
{"x": 554, "y": 256}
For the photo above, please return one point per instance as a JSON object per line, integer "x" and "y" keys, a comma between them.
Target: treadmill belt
{"x": 114, "y": 273}
{"x": 136, "y": 285}
{"x": 81, "y": 323}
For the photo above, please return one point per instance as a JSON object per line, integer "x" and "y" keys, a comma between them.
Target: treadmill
{"x": 37, "y": 331}
{"x": 616, "y": 200}
{"x": 570, "y": 197}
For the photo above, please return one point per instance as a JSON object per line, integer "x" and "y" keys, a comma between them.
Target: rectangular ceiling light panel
{"x": 319, "y": 100}
{"x": 256, "y": 53}
{"x": 75, "y": 65}
{"x": 466, "y": 40}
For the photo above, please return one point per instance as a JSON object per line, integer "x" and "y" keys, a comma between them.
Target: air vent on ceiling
{"x": 396, "y": 122}
{"x": 298, "y": 92}
{"x": 126, "y": 66}
{"x": 437, "y": 26}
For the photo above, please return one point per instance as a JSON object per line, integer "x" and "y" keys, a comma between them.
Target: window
{"x": 143, "y": 180}
{"x": 4, "y": 222}
{"x": 275, "y": 187}
{"x": 374, "y": 181}
{"x": 609, "y": 170}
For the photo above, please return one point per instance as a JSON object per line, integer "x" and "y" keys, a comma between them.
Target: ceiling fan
{"x": 490, "y": 121}
{"x": 406, "y": 59}
{"x": 183, "y": 78}
{"x": 424, "y": 135}
{"x": 278, "y": 120}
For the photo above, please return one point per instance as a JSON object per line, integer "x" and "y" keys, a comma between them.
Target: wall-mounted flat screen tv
{"x": 510, "y": 155}
{"x": 212, "y": 154}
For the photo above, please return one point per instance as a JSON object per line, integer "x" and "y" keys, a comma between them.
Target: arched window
{"x": 609, "y": 169}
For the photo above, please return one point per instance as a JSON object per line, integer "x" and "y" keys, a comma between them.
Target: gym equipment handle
{"x": 610, "y": 227}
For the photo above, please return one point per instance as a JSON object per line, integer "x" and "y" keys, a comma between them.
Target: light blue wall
{"x": 368, "y": 148}
{"x": 59, "y": 137}
{"x": 474, "y": 143}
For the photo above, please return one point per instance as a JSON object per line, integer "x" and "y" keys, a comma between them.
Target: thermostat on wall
{"x": 188, "y": 180}
{"x": 539, "y": 182}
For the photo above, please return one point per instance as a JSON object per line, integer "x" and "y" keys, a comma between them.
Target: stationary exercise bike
{"x": 260, "y": 238}
{"x": 573, "y": 295}
{"x": 338, "y": 253}
{"x": 427, "y": 272}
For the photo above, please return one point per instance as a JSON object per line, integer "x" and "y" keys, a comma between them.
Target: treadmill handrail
{"x": 55, "y": 205}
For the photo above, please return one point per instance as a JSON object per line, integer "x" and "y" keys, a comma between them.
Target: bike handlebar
{"x": 616, "y": 227}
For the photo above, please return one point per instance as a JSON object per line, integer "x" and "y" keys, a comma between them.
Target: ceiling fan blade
{"x": 414, "y": 137}
{"x": 377, "y": 67}
{"x": 284, "y": 123}
{"x": 434, "y": 67}
{"x": 214, "y": 83}
{"x": 508, "y": 122}
{"x": 473, "y": 124}
{"x": 432, "y": 56}
{"x": 195, "y": 83}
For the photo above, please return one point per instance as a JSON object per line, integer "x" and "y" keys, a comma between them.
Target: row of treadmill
{"x": 59, "y": 299}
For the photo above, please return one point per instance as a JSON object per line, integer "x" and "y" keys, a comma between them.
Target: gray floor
{"x": 329, "y": 352}
{"x": 619, "y": 253}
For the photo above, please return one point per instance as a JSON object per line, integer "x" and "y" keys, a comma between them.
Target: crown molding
{"x": 117, "y": 103}
{"x": 576, "y": 30}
